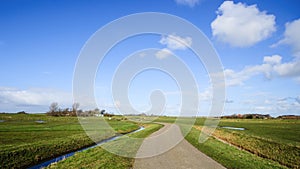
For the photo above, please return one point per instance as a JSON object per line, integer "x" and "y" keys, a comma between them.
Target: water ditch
{"x": 233, "y": 128}
{"x": 62, "y": 157}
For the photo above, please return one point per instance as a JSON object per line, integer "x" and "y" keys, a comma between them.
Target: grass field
{"x": 275, "y": 139}
{"x": 26, "y": 140}
{"x": 229, "y": 156}
{"x": 281, "y": 131}
{"x": 100, "y": 158}
{"x": 266, "y": 143}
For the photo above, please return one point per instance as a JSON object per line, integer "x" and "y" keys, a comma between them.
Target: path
{"x": 183, "y": 155}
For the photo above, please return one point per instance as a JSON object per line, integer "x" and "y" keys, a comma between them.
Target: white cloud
{"x": 206, "y": 95}
{"x": 290, "y": 69}
{"x": 263, "y": 109}
{"x": 266, "y": 104}
{"x": 237, "y": 78}
{"x": 164, "y": 53}
{"x": 287, "y": 105}
{"x": 267, "y": 101}
{"x": 298, "y": 99}
{"x": 174, "y": 42}
{"x": 292, "y": 36}
{"x": 275, "y": 59}
{"x": 143, "y": 54}
{"x": 271, "y": 66}
{"x": 190, "y": 3}
{"x": 14, "y": 99}
{"x": 241, "y": 25}
{"x": 228, "y": 101}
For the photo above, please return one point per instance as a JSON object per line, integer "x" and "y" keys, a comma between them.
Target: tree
{"x": 249, "y": 116}
{"x": 65, "y": 112}
{"x": 75, "y": 106}
{"x": 80, "y": 112}
{"x": 53, "y": 107}
{"x": 21, "y": 112}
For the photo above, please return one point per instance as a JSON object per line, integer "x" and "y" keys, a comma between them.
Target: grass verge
{"x": 275, "y": 141}
{"x": 229, "y": 156}
{"x": 98, "y": 157}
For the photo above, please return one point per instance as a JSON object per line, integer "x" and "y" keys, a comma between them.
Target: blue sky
{"x": 257, "y": 41}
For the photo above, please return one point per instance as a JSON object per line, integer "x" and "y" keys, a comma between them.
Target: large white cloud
{"x": 190, "y": 3}
{"x": 272, "y": 66}
{"x": 292, "y": 36}
{"x": 241, "y": 25}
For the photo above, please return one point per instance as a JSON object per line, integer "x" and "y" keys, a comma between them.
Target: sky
{"x": 258, "y": 44}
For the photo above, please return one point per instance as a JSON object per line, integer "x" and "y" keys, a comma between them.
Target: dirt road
{"x": 182, "y": 156}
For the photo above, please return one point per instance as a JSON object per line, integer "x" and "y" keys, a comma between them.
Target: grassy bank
{"x": 269, "y": 142}
{"x": 229, "y": 156}
{"x": 274, "y": 139}
{"x": 26, "y": 140}
{"x": 98, "y": 157}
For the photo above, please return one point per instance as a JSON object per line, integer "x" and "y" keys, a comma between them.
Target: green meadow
{"x": 98, "y": 157}
{"x": 265, "y": 143}
{"x": 273, "y": 139}
{"x": 26, "y": 139}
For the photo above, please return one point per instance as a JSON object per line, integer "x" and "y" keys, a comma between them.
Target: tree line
{"x": 55, "y": 110}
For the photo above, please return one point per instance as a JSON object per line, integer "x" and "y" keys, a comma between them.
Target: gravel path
{"x": 183, "y": 155}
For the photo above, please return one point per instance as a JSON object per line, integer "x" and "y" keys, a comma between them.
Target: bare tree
{"x": 75, "y": 107}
